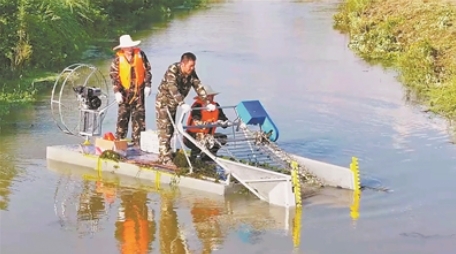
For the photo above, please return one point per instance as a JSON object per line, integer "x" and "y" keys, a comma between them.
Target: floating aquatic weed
{"x": 111, "y": 155}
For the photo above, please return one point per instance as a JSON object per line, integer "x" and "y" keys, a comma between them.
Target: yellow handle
{"x": 296, "y": 183}
{"x": 354, "y": 167}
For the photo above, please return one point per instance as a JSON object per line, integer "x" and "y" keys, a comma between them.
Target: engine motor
{"x": 89, "y": 96}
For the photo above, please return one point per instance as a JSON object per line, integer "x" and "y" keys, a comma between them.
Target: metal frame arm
{"x": 180, "y": 129}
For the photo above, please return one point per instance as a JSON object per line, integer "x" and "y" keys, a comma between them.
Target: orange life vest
{"x": 206, "y": 116}
{"x": 125, "y": 69}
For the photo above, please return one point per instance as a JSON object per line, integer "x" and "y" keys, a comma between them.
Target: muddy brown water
{"x": 328, "y": 104}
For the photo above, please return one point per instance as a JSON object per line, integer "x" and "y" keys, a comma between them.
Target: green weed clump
{"x": 416, "y": 37}
{"x": 12, "y": 96}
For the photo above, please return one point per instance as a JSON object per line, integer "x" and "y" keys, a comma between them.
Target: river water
{"x": 328, "y": 104}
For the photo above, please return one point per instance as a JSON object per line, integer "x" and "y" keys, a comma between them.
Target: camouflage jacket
{"x": 114, "y": 73}
{"x": 175, "y": 86}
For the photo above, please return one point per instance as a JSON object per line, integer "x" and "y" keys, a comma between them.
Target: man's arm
{"x": 114, "y": 74}
{"x": 199, "y": 89}
{"x": 222, "y": 115}
{"x": 148, "y": 73}
{"x": 171, "y": 82}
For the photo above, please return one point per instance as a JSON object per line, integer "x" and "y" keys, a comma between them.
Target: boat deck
{"x": 138, "y": 164}
{"x": 133, "y": 155}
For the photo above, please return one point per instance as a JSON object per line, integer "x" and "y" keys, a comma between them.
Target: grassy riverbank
{"x": 40, "y": 37}
{"x": 416, "y": 37}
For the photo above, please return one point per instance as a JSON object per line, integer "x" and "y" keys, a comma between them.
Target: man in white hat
{"x": 204, "y": 124}
{"x": 179, "y": 78}
{"x": 131, "y": 79}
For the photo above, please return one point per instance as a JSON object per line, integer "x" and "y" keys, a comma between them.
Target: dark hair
{"x": 188, "y": 56}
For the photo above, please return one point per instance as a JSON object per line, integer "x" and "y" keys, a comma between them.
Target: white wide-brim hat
{"x": 209, "y": 91}
{"x": 125, "y": 41}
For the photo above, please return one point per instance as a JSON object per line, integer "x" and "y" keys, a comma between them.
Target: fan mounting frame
{"x": 92, "y": 101}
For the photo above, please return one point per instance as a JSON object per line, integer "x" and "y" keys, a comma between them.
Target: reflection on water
{"x": 79, "y": 208}
{"x": 170, "y": 236}
{"x": 328, "y": 105}
{"x": 147, "y": 218}
{"x": 354, "y": 208}
{"x": 207, "y": 225}
{"x": 135, "y": 225}
{"x": 91, "y": 203}
{"x": 7, "y": 175}
{"x": 9, "y": 170}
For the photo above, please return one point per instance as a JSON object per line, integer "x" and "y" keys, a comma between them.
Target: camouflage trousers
{"x": 165, "y": 131}
{"x": 137, "y": 113}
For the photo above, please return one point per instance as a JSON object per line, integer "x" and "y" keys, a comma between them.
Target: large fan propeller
{"x": 79, "y": 101}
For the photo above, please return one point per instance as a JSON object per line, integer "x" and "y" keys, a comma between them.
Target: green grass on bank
{"x": 416, "y": 37}
{"x": 24, "y": 90}
{"x": 48, "y": 35}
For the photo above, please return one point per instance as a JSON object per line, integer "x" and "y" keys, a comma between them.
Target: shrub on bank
{"x": 45, "y": 35}
{"x": 417, "y": 37}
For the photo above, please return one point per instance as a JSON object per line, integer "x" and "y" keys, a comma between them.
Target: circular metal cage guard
{"x": 68, "y": 102}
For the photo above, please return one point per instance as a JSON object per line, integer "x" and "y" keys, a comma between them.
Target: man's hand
{"x": 223, "y": 124}
{"x": 147, "y": 91}
{"x": 119, "y": 98}
{"x": 185, "y": 108}
{"x": 210, "y": 107}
